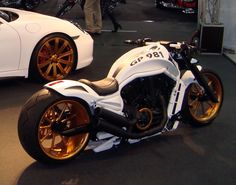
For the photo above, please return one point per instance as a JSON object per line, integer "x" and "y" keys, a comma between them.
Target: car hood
{"x": 30, "y": 17}
{"x": 33, "y": 22}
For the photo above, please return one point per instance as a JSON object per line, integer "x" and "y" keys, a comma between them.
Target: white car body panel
{"x": 19, "y": 38}
{"x": 9, "y": 41}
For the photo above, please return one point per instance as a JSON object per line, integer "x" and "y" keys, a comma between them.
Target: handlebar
{"x": 138, "y": 42}
{"x": 184, "y": 48}
{"x": 181, "y": 47}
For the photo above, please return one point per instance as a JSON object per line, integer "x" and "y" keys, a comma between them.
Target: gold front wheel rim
{"x": 203, "y": 109}
{"x": 66, "y": 114}
{"x": 55, "y": 58}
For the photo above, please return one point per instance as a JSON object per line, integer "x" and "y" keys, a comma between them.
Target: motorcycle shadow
{"x": 91, "y": 167}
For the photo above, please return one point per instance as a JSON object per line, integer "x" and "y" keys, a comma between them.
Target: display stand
{"x": 211, "y": 31}
{"x": 211, "y": 38}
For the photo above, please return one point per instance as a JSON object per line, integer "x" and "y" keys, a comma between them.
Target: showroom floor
{"x": 192, "y": 156}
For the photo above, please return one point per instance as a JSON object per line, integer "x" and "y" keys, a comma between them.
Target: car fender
{"x": 33, "y": 33}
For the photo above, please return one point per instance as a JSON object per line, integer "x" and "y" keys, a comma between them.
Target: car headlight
{"x": 77, "y": 25}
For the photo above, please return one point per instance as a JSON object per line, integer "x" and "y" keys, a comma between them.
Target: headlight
{"x": 77, "y": 25}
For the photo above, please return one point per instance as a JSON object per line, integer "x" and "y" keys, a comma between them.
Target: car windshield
{"x": 8, "y": 16}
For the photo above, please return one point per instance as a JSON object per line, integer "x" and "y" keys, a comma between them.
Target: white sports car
{"x": 40, "y": 46}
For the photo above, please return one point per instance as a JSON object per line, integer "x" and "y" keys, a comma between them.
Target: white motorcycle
{"x": 148, "y": 90}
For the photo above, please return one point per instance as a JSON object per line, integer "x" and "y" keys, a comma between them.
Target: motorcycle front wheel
{"x": 199, "y": 110}
{"x": 42, "y": 118}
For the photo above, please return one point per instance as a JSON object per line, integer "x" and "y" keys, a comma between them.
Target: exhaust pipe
{"x": 114, "y": 118}
{"x": 107, "y": 115}
{"x": 75, "y": 131}
{"x": 120, "y": 132}
{"x": 114, "y": 123}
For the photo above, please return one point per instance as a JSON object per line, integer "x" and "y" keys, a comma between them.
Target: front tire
{"x": 40, "y": 121}
{"x": 198, "y": 109}
{"x": 53, "y": 58}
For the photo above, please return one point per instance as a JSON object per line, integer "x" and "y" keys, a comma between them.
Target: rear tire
{"x": 41, "y": 118}
{"x": 200, "y": 110}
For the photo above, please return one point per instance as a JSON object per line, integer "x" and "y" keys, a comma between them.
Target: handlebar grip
{"x": 175, "y": 45}
{"x": 138, "y": 42}
{"x": 130, "y": 42}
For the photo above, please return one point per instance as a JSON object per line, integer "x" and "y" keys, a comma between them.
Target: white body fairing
{"x": 139, "y": 62}
{"x": 19, "y": 37}
{"x": 177, "y": 95}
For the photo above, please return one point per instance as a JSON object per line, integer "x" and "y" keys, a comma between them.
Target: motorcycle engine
{"x": 143, "y": 102}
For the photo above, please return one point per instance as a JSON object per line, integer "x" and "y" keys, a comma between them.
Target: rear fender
{"x": 71, "y": 88}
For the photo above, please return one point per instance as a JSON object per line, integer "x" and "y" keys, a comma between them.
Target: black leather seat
{"x": 102, "y": 87}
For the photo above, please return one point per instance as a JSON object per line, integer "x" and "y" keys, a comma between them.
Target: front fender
{"x": 188, "y": 77}
{"x": 72, "y": 88}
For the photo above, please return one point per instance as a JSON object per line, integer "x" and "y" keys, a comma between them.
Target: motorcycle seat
{"x": 102, "y": 87}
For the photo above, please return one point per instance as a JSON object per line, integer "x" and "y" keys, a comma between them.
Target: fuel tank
{"x": 144, "y": 61}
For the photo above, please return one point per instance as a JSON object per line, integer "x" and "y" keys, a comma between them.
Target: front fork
{"x": 202, "y": 81}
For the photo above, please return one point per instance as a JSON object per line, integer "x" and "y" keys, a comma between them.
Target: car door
{"x": 9, "y": 47}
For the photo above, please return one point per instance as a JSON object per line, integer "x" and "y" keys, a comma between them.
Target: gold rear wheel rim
{"x": 201, "y": 109}
{"x": 55, "y": 58}
{"x": 67, "y": 114}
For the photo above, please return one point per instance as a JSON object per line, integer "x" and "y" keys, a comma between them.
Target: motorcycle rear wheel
{"x": 40, "y": 122}
{"x": 198, "y": 109}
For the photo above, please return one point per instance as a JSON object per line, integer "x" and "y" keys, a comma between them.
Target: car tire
{"x": 53, "y": 58}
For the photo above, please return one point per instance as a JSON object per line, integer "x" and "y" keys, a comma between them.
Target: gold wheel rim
{"x": 204, "y": 110}
{"x": 67, "y": 114}
{"x": 55, "y": 59}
